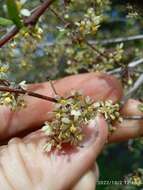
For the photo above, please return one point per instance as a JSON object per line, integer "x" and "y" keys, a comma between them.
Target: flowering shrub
{"x": 42, "y": 40}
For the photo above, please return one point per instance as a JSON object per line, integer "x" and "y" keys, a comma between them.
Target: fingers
{"x": 98, "y": 86}
{"x": 87, "y": 181}
{"x": 128, "y": 128}
{"x": 82, "y": 160}
{"x": 23, "y": 164}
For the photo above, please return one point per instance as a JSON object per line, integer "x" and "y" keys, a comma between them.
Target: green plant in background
{"x": 42, "y": 40}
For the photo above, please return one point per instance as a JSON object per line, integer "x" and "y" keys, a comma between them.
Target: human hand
{"x": 40, "y": 171}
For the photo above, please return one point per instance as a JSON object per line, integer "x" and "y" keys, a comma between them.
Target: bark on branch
{"x": 26, "y": 92}
{"x": 31, "y": 20}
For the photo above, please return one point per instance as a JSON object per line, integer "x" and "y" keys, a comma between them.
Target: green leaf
{"x": 14, "y": 12}
{"x": 5, "y": 22}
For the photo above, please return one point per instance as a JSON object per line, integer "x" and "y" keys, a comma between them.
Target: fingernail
{"x": 91, "y": 133}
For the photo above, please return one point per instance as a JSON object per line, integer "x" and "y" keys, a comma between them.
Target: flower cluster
{"x": 30, "y": 38}
{"x": 4, "y": 69}
{"x": 71, "y": 115}
{"x": 12, "y": 100}
{"x": 80, "y": 58}
{"x": 36, "y": 33}
{"x": 135, "y": 178}
{"x": 117, "y": 55}
{"x": 90, "y": 22}
{"x": 110, "y": 111}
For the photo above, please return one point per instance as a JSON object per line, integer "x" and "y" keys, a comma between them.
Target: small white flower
{"x": 75, "y": 112}
{"x": 47, "y": 129}
{"x": 23, "y": 1}
{"x": 77, "y": 23}
{"x": 61, "y": 29}
{"x": 88, "y": 23}
{"x": 83, "y": 22}
{"x": 96, "y": 105}
{"x": 47, "y": 147}
{"x": 40, "y": 30}
{"x": 90, "y": 10}
{"x": 66, "y": 16}
{"x": 25, "y": 12}
{"x": 69, "y": 62}
{"x": 65, "y": 120}
{"x": 88, "y": 99}
{"x": 23, "y": 85}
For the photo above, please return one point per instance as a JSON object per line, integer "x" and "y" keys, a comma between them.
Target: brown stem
{"x": 8, "y": 36}
{"x": 58, "y": 16}
{"x": 47, "y": 98}
{"x": 38, "y": 13}
{"x": 95, "y": 49}
{"x": 29, "y": 93}
{"x": 135, "y": 117}
{"x": 31, "y": 20}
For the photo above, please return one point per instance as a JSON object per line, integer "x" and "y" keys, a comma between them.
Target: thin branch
{"x": 135, "y": 117}
{"x": 135, "y": 63}
{"x": 31, "y": 20}
{"x": 130, "y": 65}
{"x": 84, "y": 40}
{"x": 95, "y": 49}
{"x": 47, "y": 98}
{"x": 26, "y": 92}
{"x": 8, "y": 36}
{"x": 136, "y": 85}
{"x": 58, "y": 16}
{"x": 116, "y": 40}
{"x": 53, "y": 88}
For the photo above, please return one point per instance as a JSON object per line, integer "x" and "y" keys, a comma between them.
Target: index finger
{"x": 98, "y": 86}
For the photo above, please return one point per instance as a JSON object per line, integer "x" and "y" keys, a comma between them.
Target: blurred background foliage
{"x": 72, "y": 37}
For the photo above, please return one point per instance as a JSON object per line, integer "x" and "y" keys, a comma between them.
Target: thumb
{"x": 37, "y": 170}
